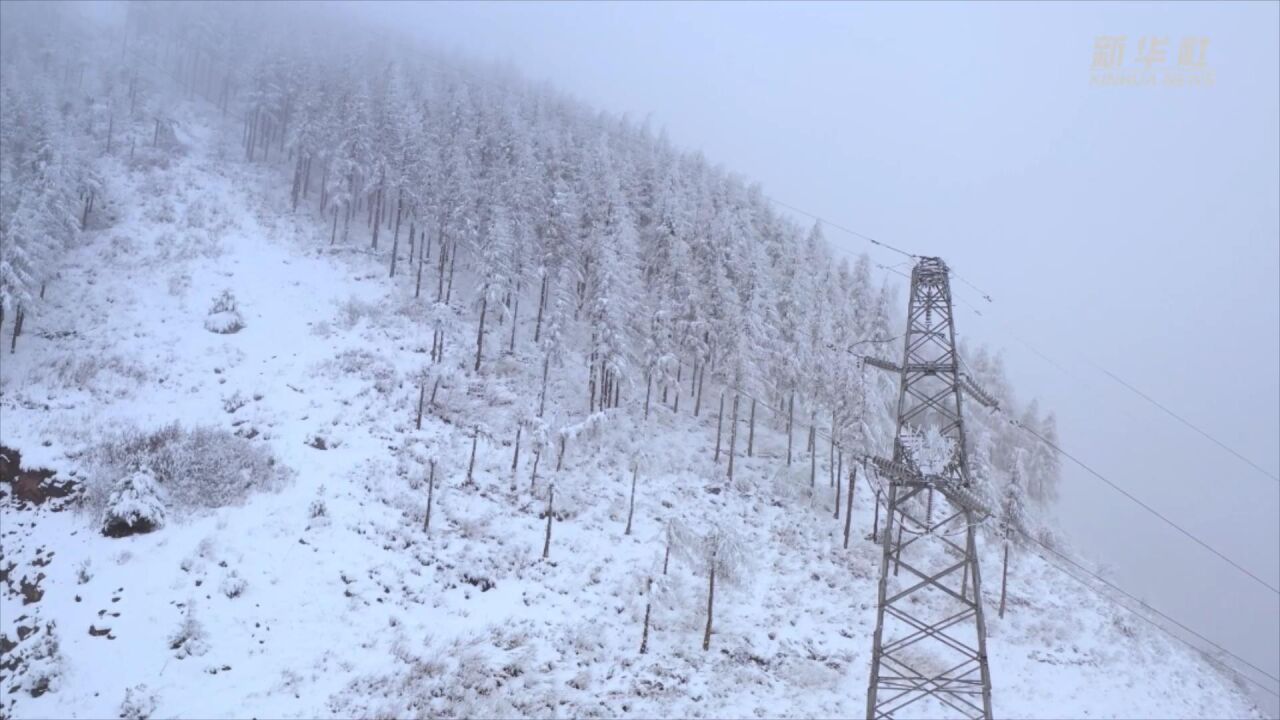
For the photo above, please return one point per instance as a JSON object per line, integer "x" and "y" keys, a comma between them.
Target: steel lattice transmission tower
{"x": 930, "y": 644}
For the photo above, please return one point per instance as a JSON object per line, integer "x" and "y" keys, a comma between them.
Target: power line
{"x": 975, "y": 288}
{"x": 854, "y": 233}
{"x": 1188, "y": 423}
{"x": 1129, "y": 595}
{"x": 1145, "y": 506}
{"x": 1118, "y": 380}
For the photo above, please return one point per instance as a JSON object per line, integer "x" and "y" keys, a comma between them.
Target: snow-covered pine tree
{"x": 136, "y": 505}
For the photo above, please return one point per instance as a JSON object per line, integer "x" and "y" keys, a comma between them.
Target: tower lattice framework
{"x": 929, "y": 655}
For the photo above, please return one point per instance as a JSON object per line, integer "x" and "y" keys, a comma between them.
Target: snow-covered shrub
{"x": 91, "y": 372}
{"x": 135, "y": 506}
{"x": 197, "y": 468}
{"x": 139, "y": 703}
{"x": 234, "y": 402}
{"x": 122, "y": 248}
{"x": 318, "y": 510}
{"x": 352, "y": 310}
{"x": 190, "y": 638}
{"x": 197, "y": 212}
{"x": 233, "y": 586}
{"x": 176, "y": 248}
{"x": 36, "y": 664}
{"x": 367, "y": 366}
{"x": 483, "y": 675}
{"x": 224, "y": 316}
{"x": 84, "y": 572}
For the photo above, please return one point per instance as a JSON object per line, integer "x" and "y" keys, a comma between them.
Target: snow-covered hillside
{"x": 321, "y": 593}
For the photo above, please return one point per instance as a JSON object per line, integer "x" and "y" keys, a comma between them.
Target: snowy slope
{"x": 327, "y": 597}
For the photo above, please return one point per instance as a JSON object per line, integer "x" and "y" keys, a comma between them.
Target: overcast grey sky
{"x": 1134, "y": 227}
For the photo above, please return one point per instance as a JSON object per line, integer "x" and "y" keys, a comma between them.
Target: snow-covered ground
{"x": 325, "y": 596}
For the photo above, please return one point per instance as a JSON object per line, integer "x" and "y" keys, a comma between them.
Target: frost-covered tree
{"x": 136, "y": 505}
{"x": 719, "y": 554}
{"x": 494, "y": 255}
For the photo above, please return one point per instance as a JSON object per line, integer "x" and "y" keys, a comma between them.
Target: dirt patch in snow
{"x": 31, "y": 485}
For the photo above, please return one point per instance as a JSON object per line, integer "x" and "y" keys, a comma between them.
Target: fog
{"x": 1127, "y": 229}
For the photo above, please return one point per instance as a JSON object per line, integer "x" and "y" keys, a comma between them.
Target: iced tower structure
{"x": 929, "y": 651}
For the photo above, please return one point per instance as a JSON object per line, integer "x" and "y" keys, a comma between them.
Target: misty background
{"x": 1132, "y": 230}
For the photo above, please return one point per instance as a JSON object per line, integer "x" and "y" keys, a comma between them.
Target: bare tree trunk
{"x": 375, "y": 216}
{"x": 546, "y": 543}
{"x": 813, "y": 454}
{"x": 591, "y": 386}
{"x": 542, "y": 301}
{"x": 751, "y": 433}
{"x": 395, "y": 238}
{"x": 697, "y": 405}
{"x": 791, "y": 414}
{"x": 444, "y": 251}
{"x": 484, "y": 302}
{"x": 648, "y": 389}
{"x": 111, "y": 128}
{"x": 839, "y": 478}
{"x": 533, "y": 477}
{"x": 648, "y": 604}
{"x": 666, "y": 557}
{"x": 719, "y": 423}
{"x": 471, "y": 466}
{"x": 635, "y": 469}
{"x": 711, "y": 600}
{"x": 422, "y": 394}
{"x": 417, "y": 283}
{"x": 733, "y": 435}
{"x": 515, "y": 456}
{"x": 875, "y": 519}
{"x": 324, "y": 188}
{"x": 453, "y": 263}
{"x": 17, "y": 329}
{"x": 848, "y": 507}
{"x": 676, "y": 407}
{"x": 1004, "y": 577}
{"x": 431, "y": 488}
{"x": 413, "y": 245}
{"x": 831, "y": 463}
{"x": 542, "y": 396}
{"x": 395, "y": 246}
{"x": 296, "y": 190}
{"x": 515, "y": 319}
{"x": 560, "y": 457}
